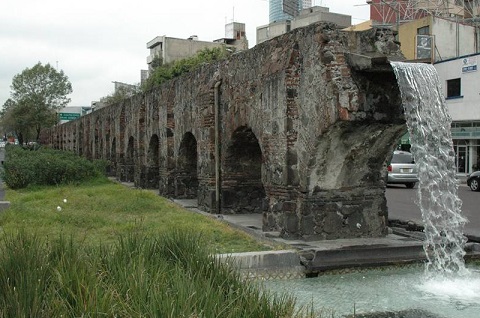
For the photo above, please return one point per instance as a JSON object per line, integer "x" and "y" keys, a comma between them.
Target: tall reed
{"x": 169, "y": 275}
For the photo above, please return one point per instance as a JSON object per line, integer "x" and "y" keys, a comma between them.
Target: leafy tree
{"x": 14, "y": 120}
{"x": 37, "y": 94}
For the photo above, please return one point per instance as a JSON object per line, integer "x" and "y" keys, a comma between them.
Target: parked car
{"x": 402, "y": 169}
{"x": 473, "y": 181}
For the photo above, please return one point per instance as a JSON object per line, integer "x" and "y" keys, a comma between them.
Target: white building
{"x": 460, "y": 79}
{"x": 170, "y": 49}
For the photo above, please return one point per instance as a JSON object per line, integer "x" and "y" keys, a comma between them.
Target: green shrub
{"x": 24, "y": 167}
{"x": 168, "y": 71}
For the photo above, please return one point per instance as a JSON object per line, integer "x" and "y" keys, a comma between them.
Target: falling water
{"x": 429, "y": 123}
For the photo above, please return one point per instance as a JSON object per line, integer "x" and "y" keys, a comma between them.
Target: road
{"x": 401, "y": 206}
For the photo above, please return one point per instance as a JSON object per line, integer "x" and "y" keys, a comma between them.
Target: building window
{"x": 453, "y": 88}
{"x": 424, "y": 30}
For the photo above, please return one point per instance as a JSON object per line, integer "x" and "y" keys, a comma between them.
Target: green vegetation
{"x": 37, "y": 95}
{"x": 121, "y": 93}
{"x": 25, "y": 167}
{"x": 167, "y": 275}
{"x": 100, "y": 211}
{"x": 165, "y": 72}
{"x": 100, "y": 249}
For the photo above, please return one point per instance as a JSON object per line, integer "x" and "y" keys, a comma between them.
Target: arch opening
{"x": 186, "y": 181}
{"x": 112, "y": 159}
{"x": 130, "y": 160}
{"x": 153, "y": 163}
{"x": 242, "y": 186}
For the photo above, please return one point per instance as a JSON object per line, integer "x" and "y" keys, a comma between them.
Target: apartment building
{"x": 170, "y": 49}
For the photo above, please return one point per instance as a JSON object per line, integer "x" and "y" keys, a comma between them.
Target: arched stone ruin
{"x": 298, "y": 128}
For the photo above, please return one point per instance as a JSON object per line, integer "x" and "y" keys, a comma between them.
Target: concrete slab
{"x": 266, "y": 264}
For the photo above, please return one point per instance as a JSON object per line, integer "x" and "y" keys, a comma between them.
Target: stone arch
{"x": 186, "y": 179}
{"x": 106, "y": 131}
{"x": 112, "y": 158}
{"x": 141, "y": 177}
{"x": 120, "y": 124}
{"x": 130, "y": 160}
{"x": 87, "y": 147}
{"x": 98, "y": 140}
{"x": 80, "y": 139}
{"x": 153, "y": 162}
{"x": 242, "y": 186}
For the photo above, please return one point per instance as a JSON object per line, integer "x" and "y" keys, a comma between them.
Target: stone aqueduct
{"x": 298, "y": 128}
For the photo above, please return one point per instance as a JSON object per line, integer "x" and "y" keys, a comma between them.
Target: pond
{"x": 386, "y": 289}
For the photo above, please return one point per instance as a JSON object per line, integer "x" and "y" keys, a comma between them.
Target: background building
{"x": 169, "y": 49}
{"x": 460, "y": 78}
{"x": 283, "y": 10}
{"x": 446, "y": 34}
{"x": 304, "y": 18}
{"x": 433, "y": 39}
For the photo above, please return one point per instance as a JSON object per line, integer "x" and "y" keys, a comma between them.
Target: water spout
{"x": 429, "y": 124}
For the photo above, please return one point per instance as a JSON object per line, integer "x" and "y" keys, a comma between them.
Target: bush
{"x": 24, "y": 167}
{"x": 168, "y": 71}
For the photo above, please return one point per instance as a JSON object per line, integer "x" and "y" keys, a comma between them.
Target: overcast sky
{"x": 97, "y": 42}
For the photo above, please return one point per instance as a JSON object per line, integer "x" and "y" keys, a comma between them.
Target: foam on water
{"x": 459, "y": 290}
{"x": 429, "y": 124}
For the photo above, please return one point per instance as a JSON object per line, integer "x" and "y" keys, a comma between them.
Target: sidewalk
{"x": 398, "y": 247}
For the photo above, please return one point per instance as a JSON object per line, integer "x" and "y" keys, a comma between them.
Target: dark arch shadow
{"x": 153, "y": 163}
{"x": 242, "y": 187}
{"x": 186, "y": 180}
{"x": 112, "y": 158}
{"x": 130, "y": 160}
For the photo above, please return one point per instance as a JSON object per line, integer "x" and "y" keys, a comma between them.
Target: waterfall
{"x": 429, "y": 124}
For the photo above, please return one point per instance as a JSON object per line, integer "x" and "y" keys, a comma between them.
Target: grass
{"x": 112, "y": 251}
{"x": 100, "y": 211}
{"x": 168, "y": 275}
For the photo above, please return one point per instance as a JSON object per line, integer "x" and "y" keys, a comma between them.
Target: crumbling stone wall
{"x": 298, "y": 128}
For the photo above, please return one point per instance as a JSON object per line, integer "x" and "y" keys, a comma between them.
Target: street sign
{"x": 68, "y": 116}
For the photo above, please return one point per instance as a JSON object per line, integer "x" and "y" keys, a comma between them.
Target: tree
{"x": 37, "y": 94}
{"x": 15, "y": 121}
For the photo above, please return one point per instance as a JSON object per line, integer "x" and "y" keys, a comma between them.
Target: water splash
{"x": 429, "y": 124}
